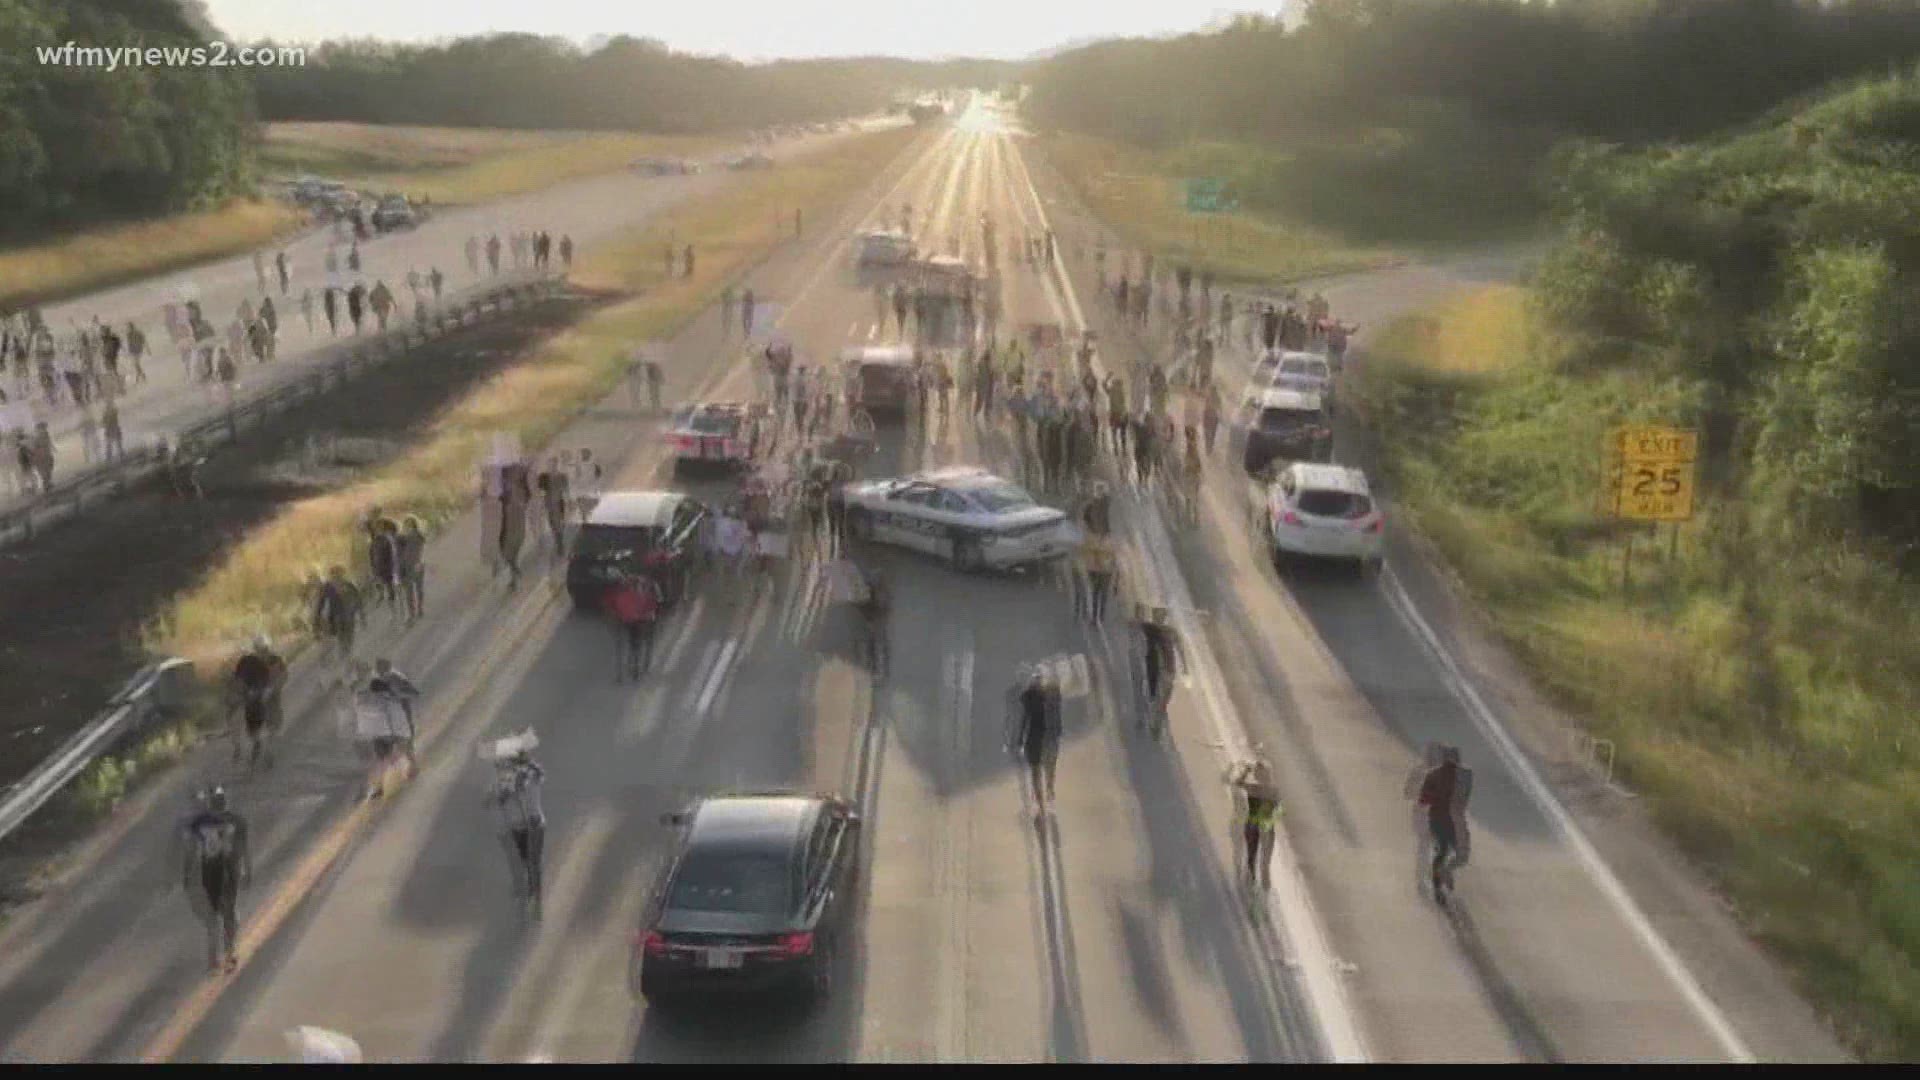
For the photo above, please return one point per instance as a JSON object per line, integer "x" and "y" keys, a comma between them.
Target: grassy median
{"x": 461, "y": 165}
{"x": 1807, "y": 820}
{"x": 113, "y": 254}
{"x": 1140, "y": 194}
{"x": 259, "y": 586}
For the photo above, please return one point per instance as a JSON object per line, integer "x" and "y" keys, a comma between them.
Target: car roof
{"x": 878, "y": 354}
{"x": 1322, "y": 477}
{"x": 739, "y": 408}
{"x": 756, "y": 821}
{"x": 958, "y": 477}
{"x": 647, "y": 509}
{"x": 1281, "y": 397}
{"x": 1303, "y": 358}
{"x": 885, "y": 234}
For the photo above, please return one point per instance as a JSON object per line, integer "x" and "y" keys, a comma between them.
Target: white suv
{"x": 1322, "y": 511}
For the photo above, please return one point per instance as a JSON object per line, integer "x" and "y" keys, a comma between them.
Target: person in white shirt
{"x": 733, "y": 537}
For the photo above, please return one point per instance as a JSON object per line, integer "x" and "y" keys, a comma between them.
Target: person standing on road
{"x": 1259, "y": 813}
{"x": 258, "y": 677}
{"x": 553, "y": 486}
{"x": 381, "y": 300}
{"x": 746, "y": 314}
{"x": 900, "y": 302}
{"x": 1160, "y": 661}
{"x": 356, "y": 305}
{"x": 217, "y": 865}
{"x": 493, "y": 254}
{"x": 634, "y": 604}
{"x": 329, "y": 298}
{"x": 516, "y": 795}
{"x": 383, "y": 564}
{"x": 336, "y": 613}
{"x": 473, "y": 256}
{"x": 566, "y": 252}
{"x": 412, "y": 552}
{"x": 260, "y": 270}
{"x": 137, "y": 351}
{"x": 43, "y": 455}
{"x": 437, "y": 281}
{"x": 1035, "y": 736}
{"x": 116, "y": 439}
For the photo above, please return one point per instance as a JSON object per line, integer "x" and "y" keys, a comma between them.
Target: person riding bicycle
{"x": 516, "y": 795}
{"x": 257, "y": 678}
{"x": 218, "y": 864}
{"x": 1259, "y": 812}
{"x": 1161, "y": 659}
{"x": 1443, "y": 794}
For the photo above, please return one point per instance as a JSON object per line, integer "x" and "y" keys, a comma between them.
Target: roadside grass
{"x": 1139, "y": 194}
{"x": 113, "y": 254}
{"x": 112, "y": 777}
{"x": 1760, "y": 693}
{"x": 460, "y": 165}
{"x": 260, "y": 585}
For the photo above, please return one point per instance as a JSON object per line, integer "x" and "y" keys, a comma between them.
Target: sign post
{"x": 1648, "y": 475}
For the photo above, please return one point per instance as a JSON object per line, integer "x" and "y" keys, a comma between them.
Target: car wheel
{"x": 860, "y": 524}
{"x": 1371, "y": 567}
{"x": 966, "y": 555}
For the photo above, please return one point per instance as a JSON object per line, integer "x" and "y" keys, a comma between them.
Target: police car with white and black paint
{"x": 964, "y": 514}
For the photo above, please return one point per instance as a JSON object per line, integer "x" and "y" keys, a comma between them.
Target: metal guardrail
{"x": 159, "y": 689}
{"x": 72, "y": 494}
{"x": 156, "y": 693}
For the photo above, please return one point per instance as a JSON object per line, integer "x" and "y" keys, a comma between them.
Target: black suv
{"x": 758, "y": 898}
{"x": 651, "y": 532}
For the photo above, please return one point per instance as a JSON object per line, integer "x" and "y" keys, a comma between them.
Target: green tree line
{"x": 1775, "y": 275}
{"x": 1382, "y": 114}
{"x": 79, "y": 144}
{"x": 627, "y": 83}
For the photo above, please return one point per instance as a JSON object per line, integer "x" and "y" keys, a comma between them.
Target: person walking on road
{"x": 217, "y": 865}
{"x": 389, "y": 682}
{"x": 566, "y": 252}
{"x": 381, "y": 299}
{"x": 383, "y": 563}
{"x": 353, "y": 257}
{"x": 553, "y": 485}
{"x": 634, "y": 603}
{"x": 412, "y": 548}
{"x": 115, "y": 438}
{"x": 1160, "y": 661}
{"x": 356, "y": 305}
{"x": 473, "y": 256}
{"x": 137, "y": 351}
{"x": 689, "y": 261}
{"x": 254, "y": 693}
{"x": 726, "y": 311}
{"x": 260, "y": 270}
{"x": 493, "y": 255}
{"x": 336, "y": 613}
{"x": 42, "y": 453}
{"x": 746, "y": 314}
{"x": 1034, "y": 735}
{"x": 329, "y": 297}
{"x": 1259, "y": 812}
{"x": 515, "y": 794}
{"x": 280, "y": 267}
{"x": 654, "y": 380}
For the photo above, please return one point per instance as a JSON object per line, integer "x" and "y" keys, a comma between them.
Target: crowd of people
{"x": 87, "y": 372}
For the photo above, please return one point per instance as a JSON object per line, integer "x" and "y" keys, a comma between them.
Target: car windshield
{"x": 1311, "y": 368}
{"x": 1334, "y": 504}
{"x": 999, "y": 497}
{"x": 713, "y": 423}
{"x": 885, "y": 374}
{"x": 1287, "y": 420}
{"x": 604, "y": 541}
{"x": 745, "y": 882}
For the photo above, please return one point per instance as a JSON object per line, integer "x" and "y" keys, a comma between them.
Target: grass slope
{"x": 1492, "y": 451}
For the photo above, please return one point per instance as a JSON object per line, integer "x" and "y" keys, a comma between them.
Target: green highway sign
{"x": 1208, "y": 195}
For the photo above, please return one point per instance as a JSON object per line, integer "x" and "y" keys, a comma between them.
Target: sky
{"x": 743, "y": 29}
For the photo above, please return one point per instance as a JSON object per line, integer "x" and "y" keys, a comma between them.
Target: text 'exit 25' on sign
{"x": 1650, "y": 473}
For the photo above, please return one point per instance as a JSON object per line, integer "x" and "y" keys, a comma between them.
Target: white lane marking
{"x": 683, "y": 631}
{"x": 1536, "y": 788}
{"x": 646, "y": 714}
{"x": 950, "y": 1036}
{"x": 563, "y": 1006}
{"x": 701, "y": 675}
{"x": 1295, "y": 916}
{"x": 712, "y": 688}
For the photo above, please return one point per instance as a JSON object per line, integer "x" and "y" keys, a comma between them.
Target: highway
{"x": 1114, "y": 930}
{"x": 590, "y": 210}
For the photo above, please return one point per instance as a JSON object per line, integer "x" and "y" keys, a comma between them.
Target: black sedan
{"x": 759, "y": 897}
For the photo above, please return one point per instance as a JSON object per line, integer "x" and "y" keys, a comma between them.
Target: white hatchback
{"x": 1324, "y": 512}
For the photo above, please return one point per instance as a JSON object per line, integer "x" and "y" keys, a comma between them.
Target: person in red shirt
{"x": 634, "y": 603}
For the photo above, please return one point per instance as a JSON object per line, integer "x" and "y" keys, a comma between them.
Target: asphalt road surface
{"x": 1113, "y": 930}
{"x": 590, "y": 210}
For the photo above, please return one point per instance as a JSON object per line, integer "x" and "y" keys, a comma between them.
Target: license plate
{"x": 711, "y": 450}
{"x": 720, "y": 959}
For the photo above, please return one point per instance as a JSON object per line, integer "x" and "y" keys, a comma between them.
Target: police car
{"x": 967, "y": 515}
{"x": 713, "y": 433}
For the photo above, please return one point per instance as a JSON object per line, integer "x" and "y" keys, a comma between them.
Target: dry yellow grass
{"x": 462, "y": 165}
{"x": 1123, "y": 187}
{"x": 259, "y": 586}
{"x": 1485, "y": 330}
{"x": 106, "y": 256}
